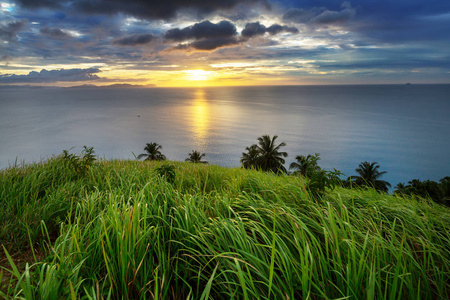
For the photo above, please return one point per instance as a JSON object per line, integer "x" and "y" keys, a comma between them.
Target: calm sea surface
{"x": 405, "y": 128}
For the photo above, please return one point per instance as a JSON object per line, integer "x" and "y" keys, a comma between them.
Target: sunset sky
{"x": 224, "y": 42}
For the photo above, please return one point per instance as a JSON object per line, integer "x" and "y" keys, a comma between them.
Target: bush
{"x": 80, "y": 163}
{"x": 167, "y": 172}
{"x": 319, "y": 180}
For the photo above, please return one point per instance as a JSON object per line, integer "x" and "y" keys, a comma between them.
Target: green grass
{"x": 121, "y": 231}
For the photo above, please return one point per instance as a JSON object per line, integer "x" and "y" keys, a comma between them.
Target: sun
{"x": 198, "y": 75}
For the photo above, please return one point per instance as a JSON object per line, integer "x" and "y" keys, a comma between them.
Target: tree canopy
{"x": 152, "y": 152}
{"x": 369, "y": 175}
{"x": 305, "y": 165}
{"x": 265, "y": 155}
{"x": 196, "y": 157}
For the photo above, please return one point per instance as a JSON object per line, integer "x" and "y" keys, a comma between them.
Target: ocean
{"x": 405, "y": 128}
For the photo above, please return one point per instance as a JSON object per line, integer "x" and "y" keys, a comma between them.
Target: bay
{"x": 405, "y": 128}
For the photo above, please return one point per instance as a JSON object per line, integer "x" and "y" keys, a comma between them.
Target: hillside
{"x": 118, "y": 229}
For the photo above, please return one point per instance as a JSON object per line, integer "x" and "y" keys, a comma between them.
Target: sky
{"x": 178, "y": 43}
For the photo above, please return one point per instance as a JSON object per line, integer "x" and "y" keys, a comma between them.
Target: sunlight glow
{"x": 198, "y": 75}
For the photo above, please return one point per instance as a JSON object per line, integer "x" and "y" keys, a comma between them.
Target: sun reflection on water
{"x": 199, "y": 111}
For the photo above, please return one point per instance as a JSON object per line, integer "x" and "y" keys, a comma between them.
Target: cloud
{"x": 52, "y": 76}
{"x": 418, "y": 29}
{"x": 207, "y": 36}
{"x": 301, "y": 15}
{"x": 55, "y": 33}
{"x": 210, "y": 44}
{"x": 134, "y": 39}
{"x": 8, "y": 31}
{"x": 255, "y": 29}
{"x": 165, "y": 9}
{"x": 276, "y": 28}
{"x": 334, "y": 17}
{"x": 319, "y": 15}
{"x": 203, "y": 30}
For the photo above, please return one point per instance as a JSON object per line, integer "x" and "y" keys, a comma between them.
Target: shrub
{"x": 167, "y": 172}
{"x": 80, "y": 163}
{"x": 319, "y": 180}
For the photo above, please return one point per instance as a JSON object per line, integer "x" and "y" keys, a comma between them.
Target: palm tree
{"x": 401, "y": 188}
{"x": 250, "y": 159}
{"x": 196, "y": 157}
{"x": 369, "y": 175}
{"x": 270, "y": 158}
{"x": 153, "y": 152}
{"x": 415, "y": 183}
{"x": 305, "y": 165}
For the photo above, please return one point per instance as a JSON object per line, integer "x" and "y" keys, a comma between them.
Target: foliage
{"x": 444, "y": 185}
{"x": 167, "y": 172}
{"x": 369, "y": 175}
{"x": 215, "y": 233}
{"x": 152, "y": 152}
{"x": 265, "y": 155}
{"x": 250, "y": 159}
{"x": 80, "y": 163}
{"x": 196, "y": 157}
{"x": 270, "y": 158}
{"x": 305, "y": 165}
{"x": 320, "y": 180}
{"x": 437, "y": 192}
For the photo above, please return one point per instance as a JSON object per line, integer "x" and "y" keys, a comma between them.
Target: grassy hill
{"x": 119, "y": 230}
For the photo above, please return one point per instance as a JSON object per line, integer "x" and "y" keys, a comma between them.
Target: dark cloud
{"x": 52, "y": 76}
{"x": 214, "y": 43}
{"x": 203, "y": 30}
{"x": 134, "y": 39}
{"x": 275, "y": 29}
{"x": 55, "y": 33}
{"x": 145, "y": 9}
{"x": 207, "y": 36}
{"x": 8, "y": 31}
{"x": 255, "y": 29}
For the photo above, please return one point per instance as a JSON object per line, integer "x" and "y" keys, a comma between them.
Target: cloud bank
{"x": 45, "y": 76}
{"x": 163, "y": 10}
